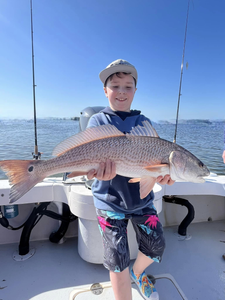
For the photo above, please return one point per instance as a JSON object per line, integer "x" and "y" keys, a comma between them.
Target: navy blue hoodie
{"x": 117, "y": 194}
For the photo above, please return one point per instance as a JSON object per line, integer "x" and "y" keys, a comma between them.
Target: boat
{"x": 56, "y": 251}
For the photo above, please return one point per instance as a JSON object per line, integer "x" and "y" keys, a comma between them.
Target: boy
{"x": 117, "y": 201}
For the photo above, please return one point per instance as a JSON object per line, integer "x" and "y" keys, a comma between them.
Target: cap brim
{"x": 115, "y": 69}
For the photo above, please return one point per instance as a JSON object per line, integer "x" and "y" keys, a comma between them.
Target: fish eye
{"x": 30, "y": 168}
{"x": 200, "y": 164}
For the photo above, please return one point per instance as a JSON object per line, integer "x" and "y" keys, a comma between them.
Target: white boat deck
{"x": 57, "y": 269}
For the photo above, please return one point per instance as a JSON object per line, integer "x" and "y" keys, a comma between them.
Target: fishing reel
{"x": 36, "y": 156}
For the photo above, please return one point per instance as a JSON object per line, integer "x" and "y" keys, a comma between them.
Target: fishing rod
{"x": 181, "y": 74}
{"x": 36, "y": 154}
{"x": 11, "y": 211}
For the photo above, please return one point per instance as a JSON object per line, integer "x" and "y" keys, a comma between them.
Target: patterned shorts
{"x": 113, "y": 228}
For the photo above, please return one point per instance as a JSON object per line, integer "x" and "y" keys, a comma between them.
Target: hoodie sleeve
{"x": 92, "y": 122}
{"x": 99, "y": 119}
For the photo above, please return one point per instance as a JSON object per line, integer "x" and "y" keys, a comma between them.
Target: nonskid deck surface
{"x": 55, "y": 271}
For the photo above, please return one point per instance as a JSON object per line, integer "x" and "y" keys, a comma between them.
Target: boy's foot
{"x": 145, "y": 286}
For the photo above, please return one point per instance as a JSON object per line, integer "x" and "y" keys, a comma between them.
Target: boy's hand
{"x": 106, "y": 171}
{"x": 165, "y": 180}
{"x": 223, "y": 156}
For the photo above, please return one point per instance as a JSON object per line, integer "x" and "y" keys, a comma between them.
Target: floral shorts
{"x": 113, "y": 228}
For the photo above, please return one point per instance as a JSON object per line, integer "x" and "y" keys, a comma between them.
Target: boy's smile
{"x": 120, "y": 92}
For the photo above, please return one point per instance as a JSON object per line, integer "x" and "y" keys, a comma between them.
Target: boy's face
{"x": 120, "y": 92}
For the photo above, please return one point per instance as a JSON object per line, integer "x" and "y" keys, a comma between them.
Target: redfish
{"x": 140, "y": 155}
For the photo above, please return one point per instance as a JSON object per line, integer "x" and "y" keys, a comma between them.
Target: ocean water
{"x": 17, "y": 139}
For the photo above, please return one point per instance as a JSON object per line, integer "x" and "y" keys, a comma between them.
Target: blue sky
{"x": 75, "y": 39}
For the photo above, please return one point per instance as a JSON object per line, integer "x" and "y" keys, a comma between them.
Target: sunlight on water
{"x": 17, "y": 139}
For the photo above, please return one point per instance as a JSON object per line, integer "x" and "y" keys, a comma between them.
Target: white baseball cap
{"x": 119, "y": 65}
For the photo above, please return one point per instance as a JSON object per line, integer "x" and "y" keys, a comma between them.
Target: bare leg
{"x": 121, "y": 284}
{"x": 141, "y": 263}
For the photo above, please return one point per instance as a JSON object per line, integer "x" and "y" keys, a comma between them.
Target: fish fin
{"x": 133, "y": 180}
{"x": 89, "y": 135}
{"x": 74, "y": 174}
{"x": 146, "y": 130}
{"x": 157, "y": 168}
{"x": 146, "y": 186}
{"x": 22, "y": 176}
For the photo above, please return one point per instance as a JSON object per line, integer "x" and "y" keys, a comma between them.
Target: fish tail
{"x": 22, "y": 175}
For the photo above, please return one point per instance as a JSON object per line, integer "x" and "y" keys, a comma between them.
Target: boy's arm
{"x": 92, "y": 122}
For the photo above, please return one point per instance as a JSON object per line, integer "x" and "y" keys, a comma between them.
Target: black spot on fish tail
{"x": 30, "y": 168}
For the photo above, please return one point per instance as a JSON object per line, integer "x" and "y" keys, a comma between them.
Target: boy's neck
{"x": 108, "y": 110}
{"x": 123, "y": 114}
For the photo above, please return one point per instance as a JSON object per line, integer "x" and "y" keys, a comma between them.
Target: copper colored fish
{"x": 140, "y": 154}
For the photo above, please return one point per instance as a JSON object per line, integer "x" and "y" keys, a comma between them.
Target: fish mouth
{"x": 202, "y": 178}
{"x": 206, "y": 174}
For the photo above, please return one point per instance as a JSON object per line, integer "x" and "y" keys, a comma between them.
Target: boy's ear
{"x": 105, "y": 91}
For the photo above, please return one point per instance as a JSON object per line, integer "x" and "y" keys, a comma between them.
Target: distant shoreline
{"x": 162, "y": 122}
{"x": 191, "y": 121}
{"x": 47, "y": 118}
